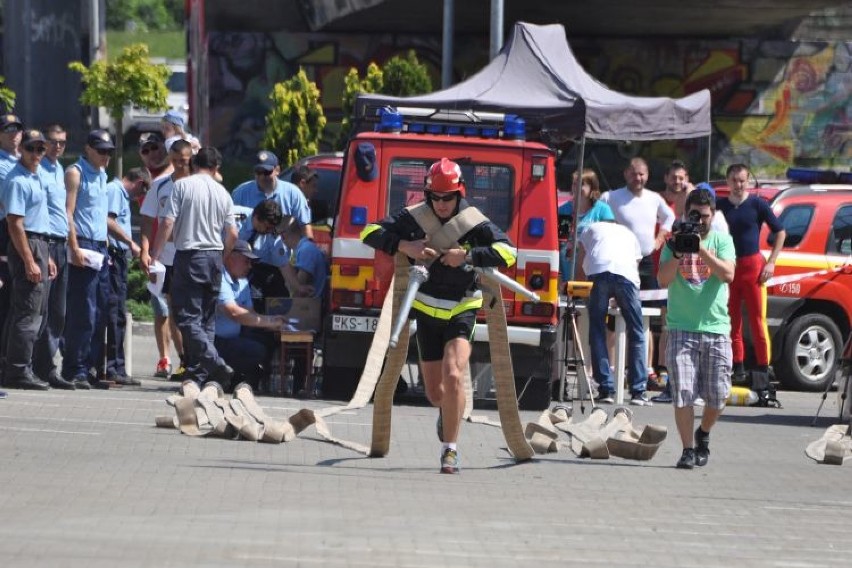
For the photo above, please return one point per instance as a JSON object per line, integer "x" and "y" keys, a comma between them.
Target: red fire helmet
{"x": 445, "y": 177}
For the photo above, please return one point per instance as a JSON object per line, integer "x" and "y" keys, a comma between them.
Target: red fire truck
{"x": 511, "y": 180}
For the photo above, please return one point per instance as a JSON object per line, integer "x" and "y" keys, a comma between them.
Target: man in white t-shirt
{"x": 612, "y": 254}
{"x": 152, "y": 211}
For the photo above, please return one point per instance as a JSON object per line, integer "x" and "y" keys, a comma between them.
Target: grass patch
{"x": 142, "y": 311}
{"x": 167, "y": 44}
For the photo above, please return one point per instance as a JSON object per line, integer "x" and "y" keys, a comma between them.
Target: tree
{"x": 353, "y": 86}
{"x": 130, "y": 79}
{"x": 144, "y": 14}
{"x": 7, "y": 96}
{"x": 405, "y": 77}
{"x": 296, "y": 120}
{"x": 399, "y": 77}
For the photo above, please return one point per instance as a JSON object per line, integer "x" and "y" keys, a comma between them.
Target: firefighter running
{"x": 446, "y": 304}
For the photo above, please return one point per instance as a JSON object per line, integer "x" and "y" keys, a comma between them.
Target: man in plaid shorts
{"x": 698, "y": 354}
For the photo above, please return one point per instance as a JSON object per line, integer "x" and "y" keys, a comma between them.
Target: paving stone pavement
{"x": 87, "y": 480}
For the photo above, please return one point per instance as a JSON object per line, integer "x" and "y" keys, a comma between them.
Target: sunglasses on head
{"x": 438, "y": 197}
{"x": 104, "y": 152}
{"x": 263, "y": 172}
{"x": 35, "y": 149}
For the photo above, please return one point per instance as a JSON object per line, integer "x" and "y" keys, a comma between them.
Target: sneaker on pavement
{"x": 702, "y": 447}
{"x": 663, "y": 397}
{"x": 450, "y": 461}
{"x": 178, "y": 375}
{"x": 604, "y": 398}
{"x": 641, "y": 399}
{"x": 164, "y": 368}
{"x": 687, "y": 459}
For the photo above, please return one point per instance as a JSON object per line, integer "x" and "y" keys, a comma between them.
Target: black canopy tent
{"x": 537, "y": 77}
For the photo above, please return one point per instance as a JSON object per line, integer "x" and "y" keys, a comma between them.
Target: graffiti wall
{"x": 775, "y": 103}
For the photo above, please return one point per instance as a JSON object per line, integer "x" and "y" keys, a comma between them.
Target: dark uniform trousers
{"x": 116, "y": 313}
{"x": 27, "y": 303}
{"x": 195, "y": 285}
{"x": 53, "y": 324}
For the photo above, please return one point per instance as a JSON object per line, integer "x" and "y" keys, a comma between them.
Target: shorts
{"x": 699, "y": 364}
{"x": 160, "y": 307}
{"x": 434, "y": 333}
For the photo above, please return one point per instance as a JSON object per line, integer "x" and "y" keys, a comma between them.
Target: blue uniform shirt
{"x": 309, "y": 257}
{"x": 25, "y": 195}
{"x": 90, "y": 215}
{"x": 269, "y": 249}
{"x": 289, "y": 197}
{"x": 58, "y": 217}
{"x": 119, "y": 205}
{"x": 7, "y": 162}
{"x": 231, "y": 291}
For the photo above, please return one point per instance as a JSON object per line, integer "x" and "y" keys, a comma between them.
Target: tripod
{"x": 578, "y": 360}
{"x": 843, "y": 386}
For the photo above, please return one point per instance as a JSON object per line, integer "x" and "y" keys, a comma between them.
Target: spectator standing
{"x": 121, "y": 192}
{"x": 53, "y": 324}
{"x": 173, "y": 128}
{"x": 267, "y": 185}
{"x": 646, "y": 214}
{"x": 88, "y": 286}
{"x": 590, "y": 210}
{"x": 310, "y": 266}
{"x": 612, "y": 256}
{"x": 698, "y": 353}
{"x": 152, "y": 211}
{"x": 11, "y": 131}
{"x": 200, "y": 213}
{"x": 244, "y": 349}
{"x": 30, "y": 266}
{"x": 746, "y": 216}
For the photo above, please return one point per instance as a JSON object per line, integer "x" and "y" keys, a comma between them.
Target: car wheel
{"x": 811, "y": 352}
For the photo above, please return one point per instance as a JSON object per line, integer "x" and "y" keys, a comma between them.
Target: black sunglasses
{"x": 104, "y": 152}
{"x": 262, "y": 172}
{"x": 146, "y": 151}
{"x": 12, "y": 128}
{"x": 35, "y": 149}
{"x": 57, "y": 142}
{"x": 437, "y": 197}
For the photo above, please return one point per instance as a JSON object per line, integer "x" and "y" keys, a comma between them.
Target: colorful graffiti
{"x": 775, "y": 103}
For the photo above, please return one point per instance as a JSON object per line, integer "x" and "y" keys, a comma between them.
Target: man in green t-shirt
{"x": 698, "y": 354}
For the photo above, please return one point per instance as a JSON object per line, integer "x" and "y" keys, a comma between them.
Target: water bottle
{"x": 288, "y": 378}
{"x": 741, "y": 396}
{"x": 318, "y": 374}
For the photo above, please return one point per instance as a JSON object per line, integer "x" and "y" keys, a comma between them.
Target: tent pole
{"x": 447, "y": 45}
{"x": 575, "y": 217}
{"x": 496, "y": 28}
{"x": 709, "y": 150}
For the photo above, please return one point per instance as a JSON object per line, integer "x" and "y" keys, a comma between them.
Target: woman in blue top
{"x": 591, "y": 210}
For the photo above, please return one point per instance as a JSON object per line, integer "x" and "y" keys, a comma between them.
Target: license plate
{"x": 363, "y": 324}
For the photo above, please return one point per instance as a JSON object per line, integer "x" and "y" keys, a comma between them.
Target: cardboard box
{"x": 303, "y": 314}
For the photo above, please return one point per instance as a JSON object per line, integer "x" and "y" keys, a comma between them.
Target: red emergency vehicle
{"x": 511, "y": 180}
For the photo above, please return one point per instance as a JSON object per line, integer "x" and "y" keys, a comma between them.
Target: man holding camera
{"x": 698, "y": 354}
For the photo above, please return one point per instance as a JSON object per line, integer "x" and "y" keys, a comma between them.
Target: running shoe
{"x": 164, "y": 368}
{"x": 450, "y": 461}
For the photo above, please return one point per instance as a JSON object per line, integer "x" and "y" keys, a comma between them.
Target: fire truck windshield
{"x": 488, "y": 187}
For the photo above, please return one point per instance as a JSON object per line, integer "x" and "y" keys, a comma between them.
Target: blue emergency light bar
{"x": 806, "y": 175}
{"x": 431, "y": 121}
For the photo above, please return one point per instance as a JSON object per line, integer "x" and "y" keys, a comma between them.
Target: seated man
{"x": 260, "y": 234}
{"x": 309, "y": 266}
{"x": 247, "y": 351}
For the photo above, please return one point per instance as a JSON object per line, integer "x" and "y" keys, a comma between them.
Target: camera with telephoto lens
{"x": 686, "y": 237}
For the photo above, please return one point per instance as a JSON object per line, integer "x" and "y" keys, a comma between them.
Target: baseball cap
{"x": 11, "y": 120}
{"x": 708, "y": 187}
{"x": 150, "y": 138}
{"x": 100, "y": 140}
{"x": 244, "y": 249}
{"x": 175, "y": 118}
{"x": 31, "y": 136}
{"x": 266, "y": 160}
{"x": 365, "y": 161}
